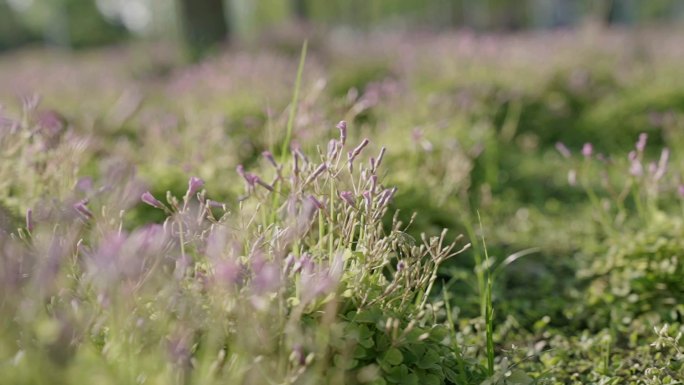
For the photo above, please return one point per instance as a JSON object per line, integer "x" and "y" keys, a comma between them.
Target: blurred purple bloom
{"x": 261, "y": 183}
{"x": 641, "y": 143}
{"x": 367, "y": 200}
{"x": 240, "y": 169}
{"x": 316, "y": 202}
{"x": 348, "y": 197}
{"x": 269, "y": 157}
{"x": 266, "y": 278}
{"x": 357, "y": 150}
{"x": 304, "y": 264}
{"x": 228, "y": 272}
{"x": 289, "y": 262}
{"x": 29, "y": 220}
{"x": 318, "y": 171}
{"x": 332, "y": 148}
{"x": 662, "y": 164}
{"x": 148, "y": 198}
{"x": 380, "y": 156}
{"x": 387, "y": 196}
{"x": 374, "y": 183}
{"x": 635, "y": 168}
{"x": 82, "y": 209}
{"x": 680, "y": 190}
{"x": 587, "y": 150}
{"x": 85, "y": 184}
{"x": 652, "y": 168}
{"x": 563, "y": 150}
{"x": 295, "y": 164}
{"x": 342, "y": 126}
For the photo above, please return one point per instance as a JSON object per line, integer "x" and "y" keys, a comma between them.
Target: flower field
{"x": 408, "y": 209}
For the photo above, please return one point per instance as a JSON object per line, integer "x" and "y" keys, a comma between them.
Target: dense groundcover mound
{"x": 299, "y": 282}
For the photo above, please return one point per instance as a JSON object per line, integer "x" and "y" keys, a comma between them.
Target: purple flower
{"x": 348, "y": 197}
{"x": 269, "y": 157}
{"x": 148, "y": 198}
{"x": 251, "y": 179}
{"x": 387, "y": 196}
{"x": 332, "y": 148}
{"x": 240, "y": 169}
{"x": 680, "y": 190}
{"x": 29, "y": 220}
{"x": 367, "y": 200}
{"x": 636, "y": 169}
{"x": 342, "y": 126}
{"x": 587, "y": 150}
{"x": 84, "y": 184}
{"x": 318, "y": 171}
{"x": 563, "y": 150}
{"x": 82, "y": 209}
{"x": 289, "y": 262}
{"x": 261, "y": 183}
{"x": 641, "y": 143}
{"x": 357, "y": 150}
{"x": 194, "y": 184}
{"x": 662, "y": 164}
{"x": 380, "y": 156}
{"x": 295, "y": 164}
{"x": 316, "y": 202}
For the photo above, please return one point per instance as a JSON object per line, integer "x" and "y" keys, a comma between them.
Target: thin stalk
{"x": 295, "y": 100}
{"x": 489, "y": 308}
{"x": 290, "y": 124}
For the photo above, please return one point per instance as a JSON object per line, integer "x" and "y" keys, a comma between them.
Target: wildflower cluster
{"x": 298, "y": 282}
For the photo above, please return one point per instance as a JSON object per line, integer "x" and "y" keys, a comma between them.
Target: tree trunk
{"x": 203, "y": 24}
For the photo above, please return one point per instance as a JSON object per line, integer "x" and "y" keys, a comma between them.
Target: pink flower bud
{"x": 357, "y": 150}
{"x": 641, "y": 143}
{"x": 380, "y": 156}
{"x": 563, "y": 150}
{"x": 348, "y": 197}
{"x": 317, "y": 172}
{"x": 316, "y": 202}
{"x": 82, "y": 209}
{"x": 269, "y": 157}
{"x": 194, "y": 184}
{"x": 342, "y": 126}
{"x": 148, "y": 198}
{"x": 587, "y": 150}
{"x": 29, "y": 220}
{"x": 367, "y": 200}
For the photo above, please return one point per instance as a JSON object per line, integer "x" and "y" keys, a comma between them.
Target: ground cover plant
{"x": 507, "y": 213}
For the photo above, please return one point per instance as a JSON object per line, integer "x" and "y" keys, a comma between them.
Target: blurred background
{"x": 201, "y": 24}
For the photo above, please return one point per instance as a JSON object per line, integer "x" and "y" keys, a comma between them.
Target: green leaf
{"x": 430, "y": 379}
{"x": 451, "y": 375}
{"x": 438, "y": 333}
{"x": 370, "y": 316}
{"x": 410, "y": 379}
{"x": 518, "y": 377}
{"x": 393, "y": 357}
{"x": 430, "y": 360}
{"x": 397, "y": 374}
